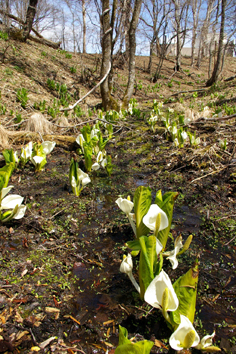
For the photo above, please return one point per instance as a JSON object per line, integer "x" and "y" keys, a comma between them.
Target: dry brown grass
{"x": 39, "y": 124}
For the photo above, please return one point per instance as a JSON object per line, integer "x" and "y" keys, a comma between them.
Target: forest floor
{"x": 61, "y": 290}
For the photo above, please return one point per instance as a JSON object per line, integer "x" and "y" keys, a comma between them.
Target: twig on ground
{"x": 211, "y": 173}
{"x": 88, "y": 93}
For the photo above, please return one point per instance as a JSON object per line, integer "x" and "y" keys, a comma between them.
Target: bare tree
{"x": 31, "y": 11}
{"x": 108, "y": 22}
{"x": 154, "y": 19}
{"x": 195, "y": 7}
{"x": 84, "y": 25}
{"x": 180, "y": 23}
{"x": 218, "y": 65}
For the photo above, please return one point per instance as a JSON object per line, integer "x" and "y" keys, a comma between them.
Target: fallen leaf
{"x": 51, "y": 310}
{"x": 25, "y": 271}
{"x": 46, "y": 342}
{"x": 109, "y": 344}
{"x": 35, "y": 349}
{"x": 72, "y": 318}
{"x": 18, "y": 317}
{"x": 21, "y": 334}
{"x": 159, "y": 344}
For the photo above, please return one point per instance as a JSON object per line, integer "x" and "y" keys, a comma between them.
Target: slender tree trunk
{"x": 218, "y": 64}
{"x": 132, "y": 49}
{"x": 84, "y": 25}
{"x": 151, "y": 54}
{"x": 31, "y": 11}
{"x": 107, "y": 101}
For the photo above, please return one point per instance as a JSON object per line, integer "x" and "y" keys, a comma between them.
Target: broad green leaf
{"x": 142, "y": 202}
{"x": 5, "y": 174}
{"x": 86, "y": 131}
{"x": 8, "y": 155}
{"x": 88, "y": 156}
{"x": 167, "y": 205}
{"x": 147, "y": 261}
{"x": 134, "y": 245}
{"x": 186, "y": 291}
{"x": 123, "y": 336}
{"x": 142, "y": 347}
{"x": 109, "y": 166}
{"x": 125, "y": 346}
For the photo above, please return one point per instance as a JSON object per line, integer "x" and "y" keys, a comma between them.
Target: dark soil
{"x": 59, "y": 275}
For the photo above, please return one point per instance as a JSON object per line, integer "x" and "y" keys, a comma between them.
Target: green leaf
{"x": 186, "y": 291}
{"x": 109, "y": 166}
{"x": 166, "y": 203}
{"x": 123, "y": 336}
{"x": 86, "y": 131}
{"x": 147, "y": 261}
{"x": 142, "y": 202}
{"x": 5, "y": 174}
{"x": 142, "y": 347}
{"x": 88, "y": 156}
{"x": 127, "y": 347}
{"x": 134, "y": 245}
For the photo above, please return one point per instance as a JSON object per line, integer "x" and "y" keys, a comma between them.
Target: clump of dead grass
{"x": 62, "y": 121}
{"x": 38, "y": 123}
{"x": 4, "y": 136}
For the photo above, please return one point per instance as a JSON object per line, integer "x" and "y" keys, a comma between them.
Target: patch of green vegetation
{"x": 3, "y": 35}
{"x": 17, "y": 68}
{"x": 3, "y": 109}
{"x": 22, "y": 96}
{"x": 8, "y": 72}
{"x": 72, "y": 70}
{"x": 68, "y": 56}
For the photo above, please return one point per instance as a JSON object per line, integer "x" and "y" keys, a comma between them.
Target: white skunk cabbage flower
{"x": 36, "y": 160}
{"x": 185, "y": 336}
{"x": 150, "y": 219}
{"x": 12, "y": 201}
{"x": 126, "y": 206}
{"x": 206, "y": 344}
{"x": 172, "y": 255}
{"x": 184, "y": 135}
{"x": 127, "y": 267}
{"x": 160, "y": 293}
{"x": 83, "y": 177}
{"x": 48, "y": 146}
{"x": 80, "y": 141}
{"x": 95, "y": 166}
{"x": 27, "y": 151}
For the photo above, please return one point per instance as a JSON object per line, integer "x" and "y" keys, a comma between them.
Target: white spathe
{"x": 48, "y": 146}
{"x": 154, "y": 293}
{"x": 126, "y": 267}
{"x": 172, "y": 255}
{"x": 83, "y": 177}
{"x": 125, "y": 205}
{"x": 127, "y": 264}
{"x": 11, "y": 201}
{"x": 27, "y": 151}
{"x": 158, "y": 246}
{"x": 37, "y": 159}
{"x": 206, "y": 341}
{"x": 150, "y": 218}
{"x": 185, "y": 336}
